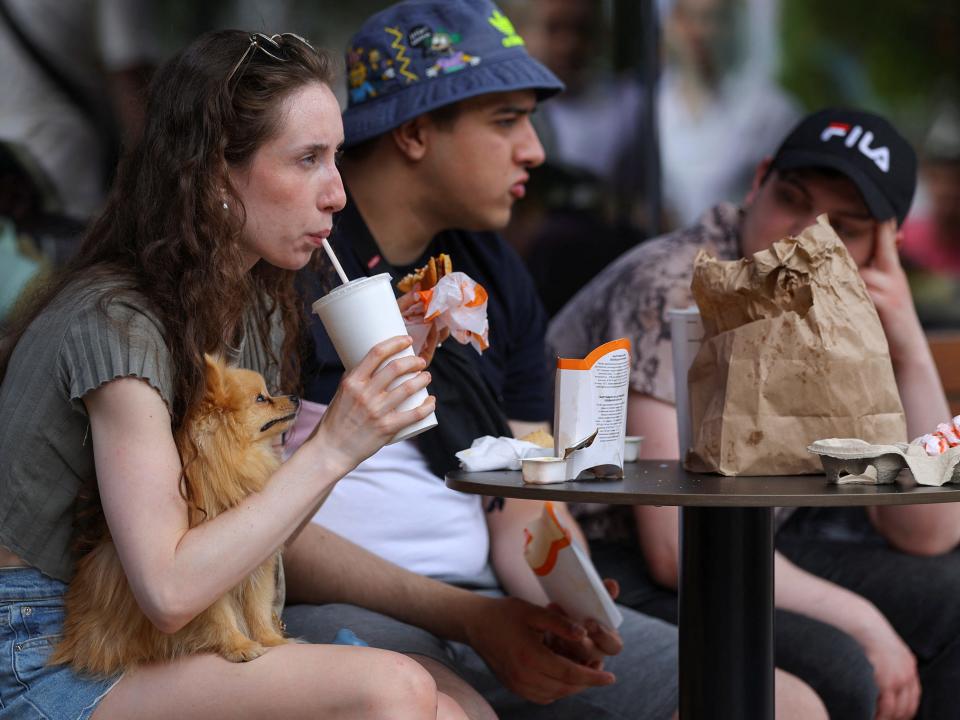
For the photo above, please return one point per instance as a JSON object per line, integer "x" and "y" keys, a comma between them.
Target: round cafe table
{"x": 726, "y": 566}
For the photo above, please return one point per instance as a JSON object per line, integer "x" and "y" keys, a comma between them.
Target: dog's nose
{"x": 295, "y": 400}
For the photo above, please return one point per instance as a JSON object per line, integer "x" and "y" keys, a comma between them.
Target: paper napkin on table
{"x": 499, "y": 453}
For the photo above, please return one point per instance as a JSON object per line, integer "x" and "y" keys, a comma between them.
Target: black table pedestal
{"x": 726, "y": 613}
{"x": 726, "y": 584}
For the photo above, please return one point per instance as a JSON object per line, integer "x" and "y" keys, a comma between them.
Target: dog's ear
{"x": 214, "y": 371}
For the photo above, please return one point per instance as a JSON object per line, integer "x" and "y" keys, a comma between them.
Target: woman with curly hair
{"x": 229, "y": 192}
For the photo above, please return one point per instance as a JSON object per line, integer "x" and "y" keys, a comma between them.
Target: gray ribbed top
{"x": 71, "y": 348}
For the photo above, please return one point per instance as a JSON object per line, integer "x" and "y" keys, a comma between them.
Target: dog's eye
{"x": 261, "y": 398}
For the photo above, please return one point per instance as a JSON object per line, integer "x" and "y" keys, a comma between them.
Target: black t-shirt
{"x": 514, "y": 367}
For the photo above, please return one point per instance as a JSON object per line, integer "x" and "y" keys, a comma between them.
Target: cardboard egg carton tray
{"x": 850, "y": 460}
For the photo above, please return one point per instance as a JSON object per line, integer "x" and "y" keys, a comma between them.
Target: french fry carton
{"x": 566, "y": 573}
{"x": 591, "y": 397}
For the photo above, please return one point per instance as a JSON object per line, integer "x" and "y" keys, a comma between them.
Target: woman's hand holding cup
{"x": 363, "y": 415}
{"x": 357, "y": 317}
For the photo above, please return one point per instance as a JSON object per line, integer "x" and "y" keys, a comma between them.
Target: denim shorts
{"x": 31, "y": 622}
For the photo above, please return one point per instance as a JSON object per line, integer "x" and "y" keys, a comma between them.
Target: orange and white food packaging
{"x": 566, "y": 572}
{"x": 591, "y": 397}
{"x": 456, "y": 302}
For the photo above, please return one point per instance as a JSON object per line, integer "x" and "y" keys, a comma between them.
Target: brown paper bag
{"x": 793, "y": 352}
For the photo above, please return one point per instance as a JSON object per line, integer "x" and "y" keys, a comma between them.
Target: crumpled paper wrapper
{"x": 498, "y": 453}
{"x": 456, "y": 302}
{"x": 945, "y": 437}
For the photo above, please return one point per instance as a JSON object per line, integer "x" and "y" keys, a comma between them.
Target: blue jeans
{"x": 31, "y": 620}
{"x": 646, "y": 668}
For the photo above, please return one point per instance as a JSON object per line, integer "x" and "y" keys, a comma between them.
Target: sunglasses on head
{"x": 274, "y": 46}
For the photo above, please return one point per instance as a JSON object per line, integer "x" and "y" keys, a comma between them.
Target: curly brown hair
{"x": 164, "y": 231}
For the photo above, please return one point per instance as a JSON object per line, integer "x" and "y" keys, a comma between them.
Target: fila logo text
{"x": 880, "y": 155}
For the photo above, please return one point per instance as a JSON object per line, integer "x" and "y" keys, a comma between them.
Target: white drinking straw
{"x": 336, "y": 263}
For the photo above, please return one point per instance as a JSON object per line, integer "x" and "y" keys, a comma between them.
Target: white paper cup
{"x": 686, "y": 334}
{"x": 361, "y": 314}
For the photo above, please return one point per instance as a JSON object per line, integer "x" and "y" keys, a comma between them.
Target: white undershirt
{"x": 393, "y": 506}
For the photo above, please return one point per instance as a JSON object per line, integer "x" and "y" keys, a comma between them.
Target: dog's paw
{"x": 274, "y": 640}
{"x": 243, "y": 652}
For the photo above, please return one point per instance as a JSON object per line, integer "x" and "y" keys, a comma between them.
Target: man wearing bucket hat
{"x": 438, "y": 147}
{"x": 850, "y": 583}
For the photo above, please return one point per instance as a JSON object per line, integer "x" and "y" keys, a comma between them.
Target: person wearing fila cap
{"x": 438, "y": 147}
{"x": 850, "y": 583}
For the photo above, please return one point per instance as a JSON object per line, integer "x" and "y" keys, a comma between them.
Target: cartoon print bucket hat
{"x": 420, "y": 55}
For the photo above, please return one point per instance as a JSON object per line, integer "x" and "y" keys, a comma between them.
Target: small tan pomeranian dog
{"x": 227, "y": 447}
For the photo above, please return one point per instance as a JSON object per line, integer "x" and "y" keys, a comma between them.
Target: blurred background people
{"x": 719, "y": 111}
{"x": 72, "y": 81}
{"x": 34, "y": 233}
{"x": 19, "y": 258}
{"x": 931, "y": 236}
{"x": 594, "y": 126}
{"x": 584, "y": 207}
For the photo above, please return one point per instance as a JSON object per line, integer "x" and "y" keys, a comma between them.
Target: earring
{"x": 225, "y": 206}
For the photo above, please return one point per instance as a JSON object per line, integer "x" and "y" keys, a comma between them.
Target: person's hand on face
{"x": 511, "y": 635}
{"x": 888, "y": 287}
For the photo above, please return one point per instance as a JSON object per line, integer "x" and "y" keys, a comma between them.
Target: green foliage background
{"x": 900, "y": 57}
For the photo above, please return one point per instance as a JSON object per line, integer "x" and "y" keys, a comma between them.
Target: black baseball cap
{"x": 864, "y": 147}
